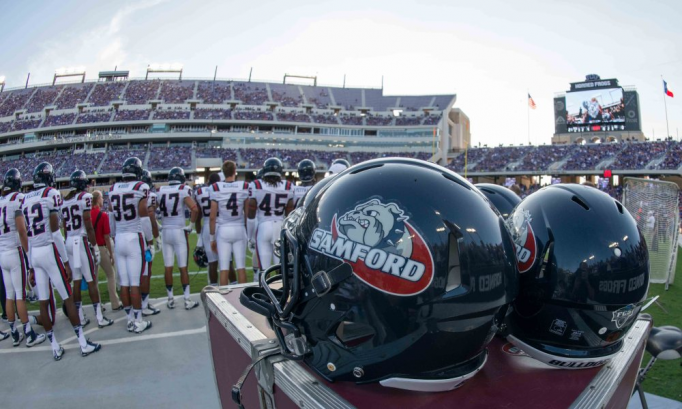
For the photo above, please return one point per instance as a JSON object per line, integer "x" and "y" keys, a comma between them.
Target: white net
{"x": 654, "y": 204}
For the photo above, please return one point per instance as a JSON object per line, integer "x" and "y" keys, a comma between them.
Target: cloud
{"x": 101, "y": 48}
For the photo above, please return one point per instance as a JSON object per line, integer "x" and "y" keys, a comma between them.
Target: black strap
{"x": 323, "y": 281}
{"x": 99, "y": 215}
{"x": 237, "y": 387}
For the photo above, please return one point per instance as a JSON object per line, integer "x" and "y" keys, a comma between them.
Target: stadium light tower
{"x": 164, "y": 68}
{"x": 2, "y": 83}
{"x": 69, "y": 72}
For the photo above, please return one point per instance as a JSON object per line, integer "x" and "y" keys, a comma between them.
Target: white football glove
{"x": 152, "y": 251}
{"x": 188, "y": 228}
{"x": 200, "y": 240}
{"x": 157, "y": 245}
{"x": 252, "y": 246}
{"x": 95, "y": 252}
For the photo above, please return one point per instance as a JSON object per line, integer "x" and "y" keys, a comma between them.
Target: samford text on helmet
{"x": 385, "y": 281}
{"x": 584, "y": 272}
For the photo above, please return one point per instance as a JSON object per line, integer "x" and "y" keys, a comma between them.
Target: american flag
{"x": 531, "y": 103}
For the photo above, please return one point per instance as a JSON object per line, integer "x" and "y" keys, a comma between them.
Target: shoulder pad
{"x": 181, "y": 187}
{"x": 46, "y": 192}
{"x": 288, "y": 185}
{"x": 215, "y": 187}
{"x": 14, "y": 196}
{"x": 246, "y": 185}
{"x": 138, "y": 185}
{"x": 111, "y": 189}
{"x": 80, "y": 195}
{"x": 257, "y": 184}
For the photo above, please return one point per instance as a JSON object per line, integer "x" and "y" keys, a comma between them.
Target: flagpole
{"x": 665, "y": 104}
{"x": 528, "y": 112}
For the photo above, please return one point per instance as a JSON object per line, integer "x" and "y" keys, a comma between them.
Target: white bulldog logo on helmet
{"x": 383, "y": 249}
{"x": 376, "y": 224}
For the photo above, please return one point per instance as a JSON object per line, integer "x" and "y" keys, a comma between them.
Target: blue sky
{"x": 488, "y": 52}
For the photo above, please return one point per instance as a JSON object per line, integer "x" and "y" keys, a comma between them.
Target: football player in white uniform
{"x": 128, "y": 202}
{"x": 306, "y": 174}
{"x": 173, "y": 200}
{"x": 13, "y": 261}
{"x": 145, "y": 280}
{"x": 40, "y": 210}
{"x": 227, "y": 230}
{"x": 271, "y": 199}
{"x": 203, "y": 230}
{"x": 81, "y": 245}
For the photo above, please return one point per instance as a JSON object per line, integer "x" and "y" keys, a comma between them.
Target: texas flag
{"x": 667, "y": 90}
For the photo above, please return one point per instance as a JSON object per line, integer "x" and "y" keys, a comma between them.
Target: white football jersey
{"x": 271, "y": 200}
{"x": 72, "y": 213}
{"x": 124, "y": 199}
{"x": 230, "y": 197}
{"x": 171, "y": 202}
{"x": 299, "y": 192}
{"x": 9, "y": 205}
{"x": 203, "y": 198}
{"x": 152, "y": 200}
{"x": 37, "y": 207}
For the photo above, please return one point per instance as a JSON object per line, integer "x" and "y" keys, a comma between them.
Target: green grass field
{"x": 665, "y": 379}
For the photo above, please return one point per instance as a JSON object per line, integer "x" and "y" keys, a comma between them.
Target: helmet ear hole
{"x": 619, "y": 206}
{"x": 352, "y": 334}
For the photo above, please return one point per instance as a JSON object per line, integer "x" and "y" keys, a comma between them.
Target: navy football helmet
{"x": 176, "y": 176}
{"x": 78, "y": 180}
{"x": 147, "y": 178}
{"x": 132, "y": 168}
{"x": 43, "y": 175}
{"x": 502, "y": 198}
{"x": 584, "y": 273}
{"x": 200, "y": 257}
{"x": 343, "y": 162}
{"x": 12, "y": 181}
{"x": 306, "y": 171}
{"x": 273, "y": 167}
{"x": 390, "y": 284}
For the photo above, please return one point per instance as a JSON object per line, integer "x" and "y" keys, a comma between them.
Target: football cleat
{"x": 17, "y": 337}
{"x": 90, "y": 347}
{"x": 105, "y": 322}
{"x": 85, "y": 322}
{"x": 58, "y": 354}
{"x": 131, "y": 326}
{"x": 170, "y": 303}
{"x": 35, "y": 339}
{"x": 142, "y": 326}
{"x": 189, "y": 304}
{"x": 150, "y": 310}
{"x": 4, "y": 335}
